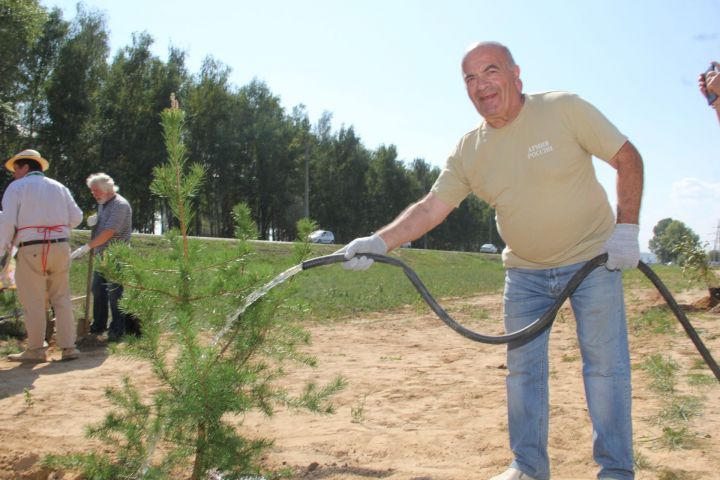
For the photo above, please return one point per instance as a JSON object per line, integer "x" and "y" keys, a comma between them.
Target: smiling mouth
{"x": 486, "y": 98}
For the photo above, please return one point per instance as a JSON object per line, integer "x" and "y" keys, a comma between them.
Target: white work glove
{"x": 80, "y": 252}
{"x": 91, "y": 220}
{"x": 373, "y": 244}
{"x": 623, "y": 247}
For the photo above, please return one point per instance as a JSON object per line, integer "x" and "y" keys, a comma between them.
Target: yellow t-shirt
{"x": 537, "y": 173}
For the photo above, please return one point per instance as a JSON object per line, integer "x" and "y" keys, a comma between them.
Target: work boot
{"x": 34, "y": 355}
{"x": 512, "y": 474}
{"x": 69, "y": 353}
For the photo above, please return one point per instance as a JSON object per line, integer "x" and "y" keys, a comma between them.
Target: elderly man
{"x": 38, "y": 214}
{"x": 531, "y": 160}
{"x": 113, "y": 224}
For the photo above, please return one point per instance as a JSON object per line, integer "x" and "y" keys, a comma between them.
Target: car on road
{"x": 488, "y": 248}
{"x": 322, "y": 236}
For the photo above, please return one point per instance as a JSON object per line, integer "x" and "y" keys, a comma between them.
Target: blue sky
{"x": 391, "y": 70}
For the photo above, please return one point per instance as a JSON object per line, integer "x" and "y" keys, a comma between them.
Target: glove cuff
{"x": 628, "y": 228}
{"x": 379, "y": 243}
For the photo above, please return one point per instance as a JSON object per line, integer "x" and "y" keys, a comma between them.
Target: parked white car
{"x": 488, "y": 248}
{"x": 322, "y": 236}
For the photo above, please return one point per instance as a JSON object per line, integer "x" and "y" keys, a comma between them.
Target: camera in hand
{"x": 711, "y": 97}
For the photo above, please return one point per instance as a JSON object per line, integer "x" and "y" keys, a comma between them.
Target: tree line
{"x": 63, "y": 94}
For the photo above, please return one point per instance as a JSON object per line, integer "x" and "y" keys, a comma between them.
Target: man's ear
{"x": 518, "y": 82}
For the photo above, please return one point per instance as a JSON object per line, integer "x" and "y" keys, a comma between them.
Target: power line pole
{"x": 307, "y": 180}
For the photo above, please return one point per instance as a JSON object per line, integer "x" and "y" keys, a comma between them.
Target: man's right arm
{"x": 412, "y": 223}
{"x": 415, "y": 221}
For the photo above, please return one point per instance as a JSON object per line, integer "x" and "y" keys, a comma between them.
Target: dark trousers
{"x": 107, "y": 293}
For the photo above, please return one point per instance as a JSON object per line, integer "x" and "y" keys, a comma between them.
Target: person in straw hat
{"x": 38, "y": 215}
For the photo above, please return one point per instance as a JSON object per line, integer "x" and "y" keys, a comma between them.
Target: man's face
{"x": 20, "y": 171}
{"x": 100, "y": 195}
{"x": 493, "y": 84}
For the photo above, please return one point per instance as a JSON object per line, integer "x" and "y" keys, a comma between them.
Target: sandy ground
{"x": 422, "y": 403}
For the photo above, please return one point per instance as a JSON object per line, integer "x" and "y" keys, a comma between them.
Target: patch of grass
{"x": 675, "y": 438}
{"x": 681, "y": 409}
{"x": 392, "y": 358}
{"x": 9, "y": 345}
{"x": 661, "y": 371}
{"x": 640, "y": 461}
{"x": 666, "y": 474}
{"x": 357, "y": 411}
{"x": 700, "y": 379}
{"x": 698, "y": 364}
{"x": 656, "y": 320}
{"x": 331, "y": 292}
{"x": 471, "y": 312}
{"x": 29, "y": 400}
{"x": 566, "y": 357}
{"x": 671, "y": 275}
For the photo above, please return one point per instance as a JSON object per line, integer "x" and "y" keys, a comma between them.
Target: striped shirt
{"x": 115, "y": 214}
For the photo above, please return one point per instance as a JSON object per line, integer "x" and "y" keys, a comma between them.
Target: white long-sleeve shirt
{"x": 37, "y": 201}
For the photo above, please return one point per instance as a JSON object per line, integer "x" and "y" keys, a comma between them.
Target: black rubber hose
{"x": 541, "y": 323}
{"x": 704, "y": 352}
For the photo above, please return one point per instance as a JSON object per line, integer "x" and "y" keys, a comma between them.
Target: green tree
{"x": 36, "y": 71}
{"x": 213, "y": 358}
{"x": 270, "y": 175}
{"x": 137, "y": 87}
{"x": 213, "y": 120}
{"x": 695, "y": 262}
{"x": 465, "y": 229}
{"x": 71, "y": 134}
{"x": 667, "y": 235}
{"x": 21, "y": 25}
{"x": 338, "y": 170}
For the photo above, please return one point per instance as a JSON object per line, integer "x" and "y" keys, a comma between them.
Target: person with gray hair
{"x": 530, "y": 159}
{"x": 113, "y": 223}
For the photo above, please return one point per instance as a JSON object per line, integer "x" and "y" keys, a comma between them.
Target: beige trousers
{"x": 33, "y": 286}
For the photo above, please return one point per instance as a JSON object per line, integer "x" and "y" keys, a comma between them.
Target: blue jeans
{"x": 601, "y": 329}
{"x": 104, "y": 293}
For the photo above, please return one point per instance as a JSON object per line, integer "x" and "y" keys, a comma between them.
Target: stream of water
{"x": 254, "y": 297}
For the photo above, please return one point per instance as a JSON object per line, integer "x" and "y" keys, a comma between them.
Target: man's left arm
{"x": 623, "y": 246}
{"x": 102, "y": 238}
{"x": 629, "y": 166}
{"x": 9, "y": 219}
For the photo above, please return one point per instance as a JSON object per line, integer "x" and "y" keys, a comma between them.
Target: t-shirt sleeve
{"x": 595, "y": 133}
{"x": 452, "y": 186}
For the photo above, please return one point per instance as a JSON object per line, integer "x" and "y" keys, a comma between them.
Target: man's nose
{"x": 481, "y": 85}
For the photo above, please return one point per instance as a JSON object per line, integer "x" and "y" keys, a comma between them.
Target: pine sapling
{"x": 213, "y": 363}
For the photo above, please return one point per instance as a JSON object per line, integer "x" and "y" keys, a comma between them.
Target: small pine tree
{"x": 695, "y": 262}
{"x": 696, "y": 266}
{"x": 211, "y": 358}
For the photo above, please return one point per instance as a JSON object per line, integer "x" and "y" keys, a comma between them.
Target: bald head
{"x": 492, "y": 45}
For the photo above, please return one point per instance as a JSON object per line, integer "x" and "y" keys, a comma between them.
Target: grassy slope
{"x": 330, "y": 292}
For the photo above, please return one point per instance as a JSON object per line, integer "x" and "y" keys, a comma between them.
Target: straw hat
{"x": 32, "y": 155}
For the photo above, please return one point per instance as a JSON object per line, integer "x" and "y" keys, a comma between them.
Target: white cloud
{"x": 695, "y": 190}
{"x": 696, "y": 203}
